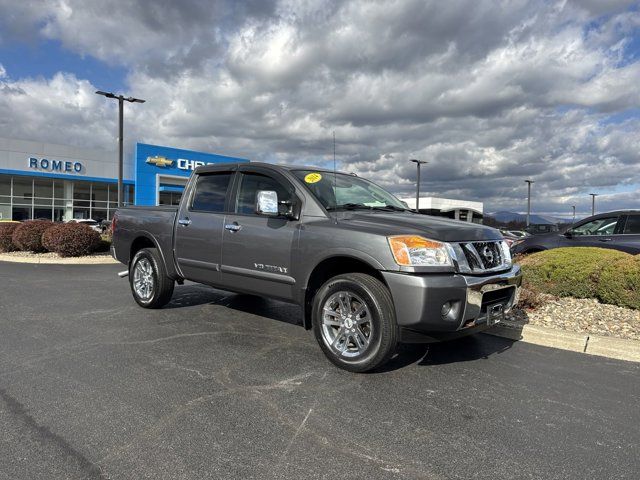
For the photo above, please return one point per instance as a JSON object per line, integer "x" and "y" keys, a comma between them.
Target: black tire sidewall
{"x": 157, "y": 271}
{"x": 382, "y": 324}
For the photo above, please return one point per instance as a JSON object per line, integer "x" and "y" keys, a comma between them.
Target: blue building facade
{"x": 161, "y": 172}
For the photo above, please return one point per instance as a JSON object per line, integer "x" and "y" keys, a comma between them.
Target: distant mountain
{"x": 505, "y": 217}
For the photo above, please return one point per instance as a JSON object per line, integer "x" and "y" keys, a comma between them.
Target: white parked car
{"x": 88, "y": 221}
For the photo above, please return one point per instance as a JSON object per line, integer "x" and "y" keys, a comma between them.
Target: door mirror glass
{"x": 266, "y": 202}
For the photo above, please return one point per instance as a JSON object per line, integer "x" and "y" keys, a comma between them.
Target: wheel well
{"x": 330, "y": 268}
{"x": 140, "y": 243}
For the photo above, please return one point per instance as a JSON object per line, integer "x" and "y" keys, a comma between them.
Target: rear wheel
{"x": 354, "y": 322}
{"x": 150, "y": 285}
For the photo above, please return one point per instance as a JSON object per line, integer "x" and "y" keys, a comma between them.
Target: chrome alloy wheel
{"x": 346, "y": 324}
{"x": 143, "y": 282}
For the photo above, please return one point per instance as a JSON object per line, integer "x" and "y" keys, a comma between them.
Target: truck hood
{"x": 403, "y": 223}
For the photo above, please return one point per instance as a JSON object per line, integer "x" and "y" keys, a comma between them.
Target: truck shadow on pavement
{"x": 474, "y": 347}
{"x": 466, "y": 349}
{"x": 194, "y": 295}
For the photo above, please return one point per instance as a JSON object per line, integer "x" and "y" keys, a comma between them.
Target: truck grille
{"x": 484, "y": 256}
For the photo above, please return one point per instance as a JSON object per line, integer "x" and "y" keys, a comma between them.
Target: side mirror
{"x": 267, "y": 202}
{"x": 568, "y": 234}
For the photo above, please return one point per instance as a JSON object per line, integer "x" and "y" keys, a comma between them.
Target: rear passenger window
{"x": 633, "y": 224}
{"x": 211, "y": 192}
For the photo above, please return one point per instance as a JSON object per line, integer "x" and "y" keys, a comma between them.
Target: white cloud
{"x": 489, "y": 95}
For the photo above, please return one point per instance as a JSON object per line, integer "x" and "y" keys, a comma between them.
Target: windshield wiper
{"x": 350, "y": 206}
{"x": 391, "y": 208}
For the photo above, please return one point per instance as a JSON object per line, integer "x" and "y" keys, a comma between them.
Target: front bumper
{"x": 419, "y": 299}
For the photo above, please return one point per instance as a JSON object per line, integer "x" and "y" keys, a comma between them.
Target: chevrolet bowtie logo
{"x": 159, "y": 161}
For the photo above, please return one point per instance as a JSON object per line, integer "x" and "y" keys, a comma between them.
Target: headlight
{"x": 416, "y": 251}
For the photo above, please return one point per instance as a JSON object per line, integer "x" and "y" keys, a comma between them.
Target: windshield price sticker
{"x": 312, "y": 177}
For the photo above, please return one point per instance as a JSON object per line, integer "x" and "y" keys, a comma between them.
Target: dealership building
{"x": 58, "y": 182}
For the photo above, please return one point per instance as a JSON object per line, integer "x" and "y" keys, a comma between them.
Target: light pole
{"x": 528, "y": 182}
{"x": 593, "y": 203}
{"x": 418, "y": 163}
{"x": 574, "y": 213}
{"x": 121, "y": 99}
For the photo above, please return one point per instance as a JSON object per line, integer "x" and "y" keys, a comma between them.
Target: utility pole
{"x": 529, "y": 182}
{"x": 574, "y": 213}
{"x": 121, "y": 99}
{"x": 418, "y": 163}
{"x": 593, "y": 203}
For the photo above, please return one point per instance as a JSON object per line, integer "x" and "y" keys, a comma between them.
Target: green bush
{"x": 620, "y": 282}
{"x": 28, "y": 235}
{"x": 584, "y": 272}
{"x": 6, "y": 232}
{"x": 71, "y": 239}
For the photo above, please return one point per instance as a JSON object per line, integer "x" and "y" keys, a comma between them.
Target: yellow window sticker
{"x": 312, "y": 177}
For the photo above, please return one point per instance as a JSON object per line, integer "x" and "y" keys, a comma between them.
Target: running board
{"x": 124, "y": 273}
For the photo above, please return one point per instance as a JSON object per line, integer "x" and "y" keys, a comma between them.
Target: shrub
{"x": 6, "y": 231}
{"x": 585, "y": 272}
{"x": 71, "y": 239}
{"x": 28, "y": 235}
{"x": 620, "y": 282}
{"x": 50, "y": 236}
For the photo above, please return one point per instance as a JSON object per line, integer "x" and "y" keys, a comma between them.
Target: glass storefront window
{"x": 58, "y": 200}
{"x": 5, "y": 185}
{"x": 43, "y": 188}
{"x": 22, "y": 191}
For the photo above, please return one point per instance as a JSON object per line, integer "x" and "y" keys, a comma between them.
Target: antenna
{"x": 334, "y": 166}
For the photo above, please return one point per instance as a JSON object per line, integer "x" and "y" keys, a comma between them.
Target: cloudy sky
{"x": 489, "y": 93}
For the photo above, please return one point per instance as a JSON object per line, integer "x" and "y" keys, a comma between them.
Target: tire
{"x": 363, "y": 340}
{"x": 148, "y": 264}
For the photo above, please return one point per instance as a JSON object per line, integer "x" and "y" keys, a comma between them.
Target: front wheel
{"x": 354, "y": 322}
{"x": 150, "y": 285}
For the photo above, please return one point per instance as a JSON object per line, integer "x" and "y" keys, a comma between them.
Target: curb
{"x": 591, "y": 344}
{"x": 95, "y": 260}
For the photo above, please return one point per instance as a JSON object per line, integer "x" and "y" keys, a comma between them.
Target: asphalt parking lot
{"x": 222, "y": 386}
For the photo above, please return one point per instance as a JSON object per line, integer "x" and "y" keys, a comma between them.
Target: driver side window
{"x": 250, "y": 184}
{"x": 601, "y": 226}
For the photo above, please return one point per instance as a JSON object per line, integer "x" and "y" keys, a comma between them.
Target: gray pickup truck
{"x": 367, "y": 271}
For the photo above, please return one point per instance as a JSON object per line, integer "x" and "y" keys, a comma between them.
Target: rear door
{"x": 257, "y": 250}
{"x": 628, "y": 240}
{"x": 198, "y": 230}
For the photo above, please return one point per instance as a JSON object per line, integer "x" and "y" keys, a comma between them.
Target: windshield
{"x": 341, "y": 191}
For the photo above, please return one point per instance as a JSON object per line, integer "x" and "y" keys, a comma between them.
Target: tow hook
{"x": 124, "y": 273}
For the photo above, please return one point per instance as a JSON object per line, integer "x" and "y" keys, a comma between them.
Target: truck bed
{"x": 154, "y": 223}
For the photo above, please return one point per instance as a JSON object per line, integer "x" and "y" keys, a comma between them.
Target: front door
{"x": 593, "y": 233}
{"x": 257, "y": 249}
{"x": 198, "y": 230}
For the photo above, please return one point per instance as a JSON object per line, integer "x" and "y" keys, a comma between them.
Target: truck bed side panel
{"x": 154, "y": 224}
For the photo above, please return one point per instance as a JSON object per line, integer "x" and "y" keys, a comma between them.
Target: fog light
{"x": 446, "y": 308}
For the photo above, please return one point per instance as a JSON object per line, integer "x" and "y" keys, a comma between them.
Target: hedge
{"x": 28, "y": 235}
{"x": 71, "y": 239}
{"x": 6, "y": 232}
{"x": 584, "y": 272}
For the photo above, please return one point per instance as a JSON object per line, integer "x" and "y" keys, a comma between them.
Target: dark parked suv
{"x": 617, "y": 230}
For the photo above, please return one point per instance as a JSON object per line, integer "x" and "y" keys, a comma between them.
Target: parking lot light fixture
{"x": 418, "y": 163}
{"x": 593, "y": 203}
{"x": 529, "y": 182}
{"x": 121, "y": 99}
{"x": 574, "y": 213}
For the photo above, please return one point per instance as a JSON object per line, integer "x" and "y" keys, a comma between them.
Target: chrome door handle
{"x": 233, "y": 227}
{"x": 605, "y": 239}
{"x": 185, "y": 222}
